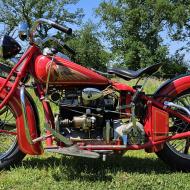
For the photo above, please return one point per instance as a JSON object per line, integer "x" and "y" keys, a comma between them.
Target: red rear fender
{"x": 173, "y": 87}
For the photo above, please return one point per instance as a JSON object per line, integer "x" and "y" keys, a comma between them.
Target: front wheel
{"x": 176, "y": 153}
{"x": 9, "y": 149}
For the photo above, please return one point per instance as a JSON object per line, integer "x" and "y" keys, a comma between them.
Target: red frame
{"x": 28, "y": 59}
{"x": 20, "y": 73}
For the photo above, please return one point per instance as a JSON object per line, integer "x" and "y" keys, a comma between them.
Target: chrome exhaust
{"x": 171, "y": 104}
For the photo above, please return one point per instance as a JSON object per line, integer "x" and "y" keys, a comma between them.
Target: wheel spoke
{"x": 11, "y": 117}
{"x": 177, "y": 144}
{"x": 10, "y": 126}
{"x": 7, "y": 131}
{"x": 178, "y": 126}
{"x": 187, "y": 145}
{"x": 3, "y": 110}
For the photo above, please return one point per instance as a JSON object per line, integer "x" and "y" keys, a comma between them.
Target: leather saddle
{"x": 130, "y": 74}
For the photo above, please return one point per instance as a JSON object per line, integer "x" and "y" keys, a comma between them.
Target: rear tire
{"x": 176, "y": 161}
{"x": 176, "y": 153}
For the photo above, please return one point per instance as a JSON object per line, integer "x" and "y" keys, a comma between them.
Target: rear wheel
{"x": 9, "y": 149}
{"x": 176, "y": 153}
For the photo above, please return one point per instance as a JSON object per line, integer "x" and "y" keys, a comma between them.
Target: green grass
{"x": 135, "y": 170}
{"x": 150, "y": 87}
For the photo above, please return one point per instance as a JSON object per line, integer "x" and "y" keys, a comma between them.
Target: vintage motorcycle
{"x": 97, "y": 116}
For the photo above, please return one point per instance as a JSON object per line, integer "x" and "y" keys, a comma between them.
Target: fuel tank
{"x": 64, "y": 72}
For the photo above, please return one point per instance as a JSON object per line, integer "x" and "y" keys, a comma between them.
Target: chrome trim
{"x": 36, "y": 24}
{"x": 23, "y": 105}
{"x": 90, "y": 94}
{"x": 171, "y": 104}
{"x": 108, "y": 128}
{"x": 40, "y": 42}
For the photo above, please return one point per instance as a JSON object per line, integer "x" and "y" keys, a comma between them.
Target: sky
{"x": 89, "y": 7}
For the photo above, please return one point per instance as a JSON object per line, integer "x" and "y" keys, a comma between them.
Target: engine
{"x": 84, "y": 113}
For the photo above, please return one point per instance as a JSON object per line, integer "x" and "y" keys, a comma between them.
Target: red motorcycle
{"x": 96, "y": 117}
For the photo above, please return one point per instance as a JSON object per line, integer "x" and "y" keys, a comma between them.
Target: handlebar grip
{"x": 72, "y": 51}
{"x": 62, "y": 28}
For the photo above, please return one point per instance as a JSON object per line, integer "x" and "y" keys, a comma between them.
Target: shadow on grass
{"x": 82, "y": 169}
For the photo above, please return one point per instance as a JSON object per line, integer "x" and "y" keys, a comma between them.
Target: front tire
{"x": 10, "y": 154}
{"x": 176, "y": 153}
{"x": 14, "y": 157}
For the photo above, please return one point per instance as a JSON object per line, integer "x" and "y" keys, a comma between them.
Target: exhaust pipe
{"x": 171, "y": 104}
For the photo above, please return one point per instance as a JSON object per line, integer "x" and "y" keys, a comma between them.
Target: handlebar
{"x": 51, "y": 23}
{"x": 62, "y": 28}
{"x": 56, "y": 26}
{"x": 72, "y": 51}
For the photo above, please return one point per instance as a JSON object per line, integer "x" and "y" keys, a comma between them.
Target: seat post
{"x": 139, "y": 89}
{"x": 134, "y": 98}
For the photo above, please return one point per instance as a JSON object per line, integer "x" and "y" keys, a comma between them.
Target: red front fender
{"x": 15, "y": 104}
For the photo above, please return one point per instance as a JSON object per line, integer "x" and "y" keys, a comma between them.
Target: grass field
{"x": 135, "y": 170}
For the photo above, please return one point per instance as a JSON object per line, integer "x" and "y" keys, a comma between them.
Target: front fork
{"x": 23, "y": 105}
{"x": 48, "y": 116}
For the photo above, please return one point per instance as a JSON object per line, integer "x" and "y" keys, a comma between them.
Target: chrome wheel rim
{"x": 176, "y": 125}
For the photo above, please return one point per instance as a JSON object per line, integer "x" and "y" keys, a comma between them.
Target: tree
{"x": 134, "y": 26}
{"x": 12, "y": 12}
{"x": 89, "y": 50}
{"x": 175, "y": 66}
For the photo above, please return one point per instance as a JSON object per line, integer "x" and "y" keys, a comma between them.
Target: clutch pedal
{"x": 74, "y": 151}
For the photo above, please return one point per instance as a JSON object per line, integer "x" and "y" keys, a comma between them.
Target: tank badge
{"x": 68, "y": 74}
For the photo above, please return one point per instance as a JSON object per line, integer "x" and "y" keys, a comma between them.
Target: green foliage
{"x": 12, "y": 12}
{"x": 133, "y": 27}
{"x": 6, "y": 61}
{"x": 89, "y": 50}
{"x": 174, "y": 67}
